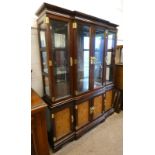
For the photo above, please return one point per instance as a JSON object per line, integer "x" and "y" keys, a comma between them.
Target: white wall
{"x": 111, "y": 10}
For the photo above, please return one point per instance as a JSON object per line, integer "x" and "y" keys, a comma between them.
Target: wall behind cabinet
{"x": 110, "y": 10}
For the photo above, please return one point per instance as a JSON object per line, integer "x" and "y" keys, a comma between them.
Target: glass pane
{"x": 42, "y": 39}
{"x": 108, "y": 58}
{"x": 60, "y": 54}
{"x": 108, "y": 75}
{"x": 98, "y": 67}
{"x": 83, "y": 55}
{"x": 46, "y": 81}
{"x": 44, "y": 61}
{"x": 111, "y": 40}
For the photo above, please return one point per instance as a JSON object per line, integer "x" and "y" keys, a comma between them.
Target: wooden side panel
{"x": 119, "y": 76}
{"x": 97, "y": 106}
{"x": 108, "y": 100}
{"x": 83, "y": 114}
{"x": 62, "y": 123}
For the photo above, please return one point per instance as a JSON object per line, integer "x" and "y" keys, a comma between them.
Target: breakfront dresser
{"x": 77, "y": 57}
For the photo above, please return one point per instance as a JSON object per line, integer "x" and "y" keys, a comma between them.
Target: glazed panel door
{"x": 110, "y": 54}
{"x": 82, "y": 58}
{"x": 61, "y": 58}
{"x": 98, "y": 57}
{"x": 44, "y": 58}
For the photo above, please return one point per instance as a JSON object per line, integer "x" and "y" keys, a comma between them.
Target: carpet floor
{"x": 105, "y": 139}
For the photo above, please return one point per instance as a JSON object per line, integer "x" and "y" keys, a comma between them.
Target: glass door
{"x": 83, "y": 58}
{"x": 44, "y": 59}
{"x": 110, "y": 57}
{"x": 61, "y": 58}
{"x": 98, "y": 58}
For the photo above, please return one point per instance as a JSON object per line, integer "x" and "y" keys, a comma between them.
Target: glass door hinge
{"x": 50, "y": 63}
{"x": 54, "y": 139}
{"x": 72, "y": 118}
{"x": 46, "y": 20}
{"x": 74, "y": 25}
{"x": 52, "y": 115}
{"x": 76, "y": 107}
{"x": 71, "y": 61}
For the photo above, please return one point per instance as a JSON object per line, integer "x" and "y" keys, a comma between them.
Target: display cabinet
{"x": 77, "y": 57}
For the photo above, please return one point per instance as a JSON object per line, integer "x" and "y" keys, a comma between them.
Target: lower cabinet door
{"x": 97, "y": 106}
{"x": 82, "y": 114}
{"x": 63, "y": 120}
{"x": 108, "y": 100}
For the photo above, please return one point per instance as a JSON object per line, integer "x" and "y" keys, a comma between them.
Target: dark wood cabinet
{"x": 77, "y": 56}
{"x": 39, "y": 140}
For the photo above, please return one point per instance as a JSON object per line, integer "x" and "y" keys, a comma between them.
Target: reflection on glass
{"x": 108, "y": 75}
{"x": 61, "y": 58}
{"x": 44, "y": 61}
{"x": 98, "y": 67}
{"x": 83, "y": 58}
{"x": 108, "y": 58}
{"x": 42, "y": 38}
{"x": 111, "y": 40}
{"x": 46, "y": 81}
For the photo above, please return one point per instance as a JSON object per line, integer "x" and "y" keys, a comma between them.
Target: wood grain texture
{"x": 119, "y": 77}
{"x": 83, "y": 114}
{"x": 62, "y": 123}
{"x": 38, "y": 126}
{"x": 97, "y": 106}
{"x": 108, "y": 100}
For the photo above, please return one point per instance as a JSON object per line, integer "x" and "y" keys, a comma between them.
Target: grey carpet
{"x": 104, "y": 139}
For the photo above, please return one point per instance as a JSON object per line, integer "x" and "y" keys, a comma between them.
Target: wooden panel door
{"x": 98, "y": 106}
{"x": 108, "y": 100}
{"x": 62, "y": 122}
{"x": 82, "y": 114}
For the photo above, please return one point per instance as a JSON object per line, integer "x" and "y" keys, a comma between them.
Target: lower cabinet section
{"x": 71, "y": 120}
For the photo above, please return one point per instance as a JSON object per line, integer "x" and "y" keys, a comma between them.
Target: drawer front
{"x": 98, "y": 103}
{"x": 82, "y": 114}
{"x": 108, "y": 100}
{"x": 62, "y": 123}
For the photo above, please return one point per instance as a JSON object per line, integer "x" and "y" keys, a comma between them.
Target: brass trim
{"x": 72, "y": 118}
{"x": 52, "y": 115}
{"x": 91, "y": 110}
{"x": 50, "y": 63}
{"x": 92, "y": 60}
{"x": 46, "y": 20}
{"x": 54, "y": 139}
{"x": 76, "y": 107}
{"x": 74, "y": 25}
{"x": 71, "y": 61}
